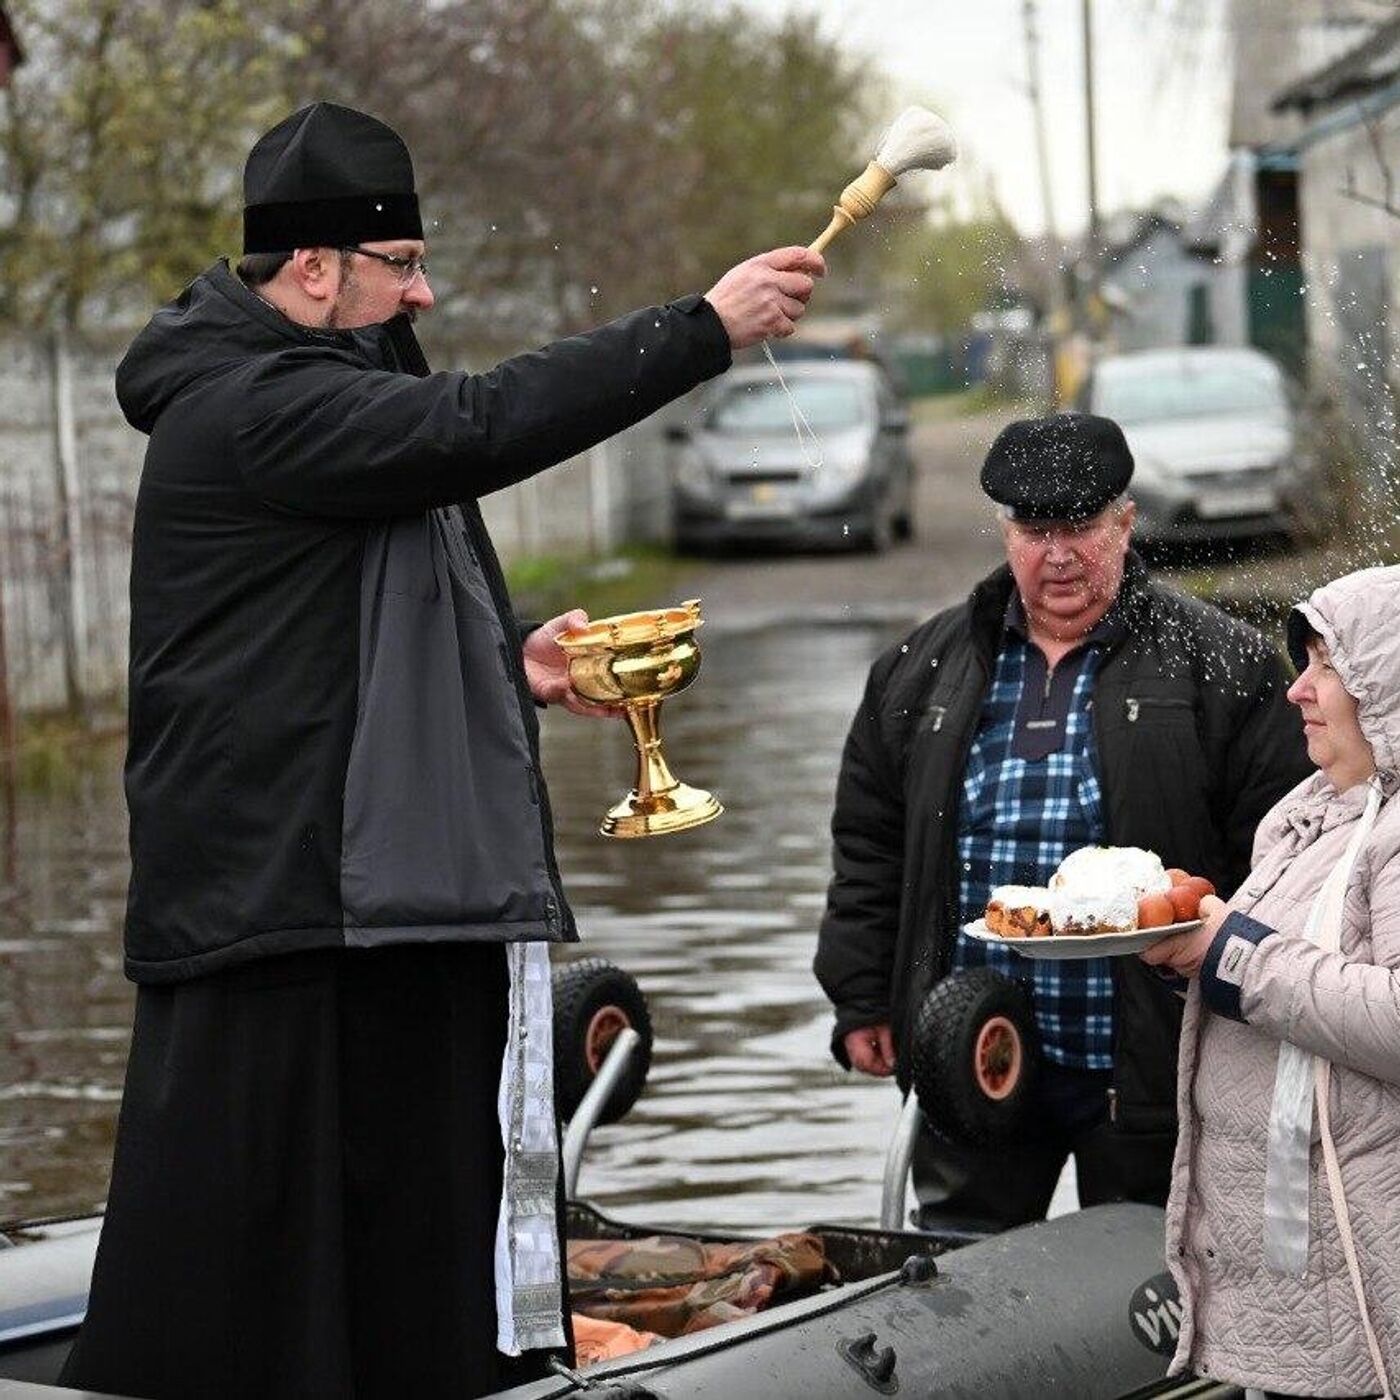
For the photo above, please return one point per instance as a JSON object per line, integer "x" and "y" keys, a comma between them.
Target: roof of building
{"x": 1129, "y": 230}
{"x": 1374, "y": 63}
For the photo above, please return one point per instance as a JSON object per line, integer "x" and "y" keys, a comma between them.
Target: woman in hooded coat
{"x": 1283, "y": 1224}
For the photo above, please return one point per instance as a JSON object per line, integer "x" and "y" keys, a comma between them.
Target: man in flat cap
{"x": 336, "y": 1163}
{"x": 1070, "y": 701}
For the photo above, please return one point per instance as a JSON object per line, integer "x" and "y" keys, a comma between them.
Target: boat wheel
{"x": 594, "y": 1001}
{"x": 975, "y": 1056}
{"x": 997, "y": 1058}
{"x": 607, "y": 1023}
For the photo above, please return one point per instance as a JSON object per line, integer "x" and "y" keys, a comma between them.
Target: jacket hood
{"x": 1355, "y": 616}
{"x": 217, "y": 322}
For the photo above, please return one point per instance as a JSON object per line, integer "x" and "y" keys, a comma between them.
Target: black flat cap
{"x": 1068, "y": 466}
{"x": 326, "y": 177}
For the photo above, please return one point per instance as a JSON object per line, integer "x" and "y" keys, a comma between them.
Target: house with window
{"x": 1345, "y": 140}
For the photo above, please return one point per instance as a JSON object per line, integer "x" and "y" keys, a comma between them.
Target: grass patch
{"x": 1263, "y": 588}
{"x": 53, "y": 752}
{"x": 636, "y": 577}
{"x": 968, "y": 403}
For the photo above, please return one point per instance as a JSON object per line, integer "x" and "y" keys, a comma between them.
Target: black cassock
{"x": 337, "y": 819}
{"x": 306, "y": 1183}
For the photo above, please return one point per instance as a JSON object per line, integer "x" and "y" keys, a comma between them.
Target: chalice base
{"x": 677, "y": 809}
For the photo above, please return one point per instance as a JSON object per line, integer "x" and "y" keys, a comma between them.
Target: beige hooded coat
{"x": 1242, "y": 1322}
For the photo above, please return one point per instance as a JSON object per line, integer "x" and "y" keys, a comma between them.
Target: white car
{"x": 1214, "y": 438}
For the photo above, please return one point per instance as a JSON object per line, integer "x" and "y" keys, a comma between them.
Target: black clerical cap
{"x": 1067, "y": 466}
{"x": 327, "y": 177}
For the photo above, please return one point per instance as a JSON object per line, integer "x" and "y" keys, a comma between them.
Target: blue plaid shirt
{"x": 1017, "y": 821}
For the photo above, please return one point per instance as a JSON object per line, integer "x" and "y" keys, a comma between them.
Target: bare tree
{"x": 120, "y": 142}
{"x": 581, "y": 157}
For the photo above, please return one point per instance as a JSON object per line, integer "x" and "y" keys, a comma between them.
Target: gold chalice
{"x": 636, "y": 660}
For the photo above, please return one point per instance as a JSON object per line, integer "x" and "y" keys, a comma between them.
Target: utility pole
{"x": 9, "y": 764}
{"x": 1057, "y": 321}
{"x": 1042, "y": 149}
{"x": 1091, "y": 145}
{"x": 1088, "y": 295}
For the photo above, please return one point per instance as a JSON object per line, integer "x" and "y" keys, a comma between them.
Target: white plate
{"x": 1084, "y": 945}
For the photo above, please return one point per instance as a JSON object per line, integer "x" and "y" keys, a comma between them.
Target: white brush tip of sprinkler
{"x": 917, "y": 140}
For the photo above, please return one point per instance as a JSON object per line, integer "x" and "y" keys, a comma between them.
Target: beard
{"x": 343, "y": 314}
{"x": 339, "y": 316}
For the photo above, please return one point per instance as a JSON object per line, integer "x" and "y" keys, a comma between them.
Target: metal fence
{"x": 69, "y": 469}
{"x": 68, "y": 473}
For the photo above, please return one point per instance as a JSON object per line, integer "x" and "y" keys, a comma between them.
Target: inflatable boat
{"x": 1081, "y": 1306}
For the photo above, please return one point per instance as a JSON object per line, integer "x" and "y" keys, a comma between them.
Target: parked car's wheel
{"x": 976, "y": 1056}
{"x": 877, "y": 533}
{"x": 687, "y": 544}
{"x": 593, "y": 1001}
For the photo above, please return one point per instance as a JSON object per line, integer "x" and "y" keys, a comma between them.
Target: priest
{"x": 336, "y": 1162}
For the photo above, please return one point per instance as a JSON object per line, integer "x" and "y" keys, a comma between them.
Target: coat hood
{"x": 217, "y": 322}
{"x": 1355, "y": 615}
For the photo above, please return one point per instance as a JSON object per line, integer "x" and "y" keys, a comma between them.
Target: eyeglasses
{"x": 406, "y": 269}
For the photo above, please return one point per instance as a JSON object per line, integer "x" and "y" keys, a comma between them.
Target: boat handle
{"x": 591, "y": 1106}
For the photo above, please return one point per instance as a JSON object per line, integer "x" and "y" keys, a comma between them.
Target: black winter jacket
{"x": 1195, "y": 741}
{"x": 331, "y": 738}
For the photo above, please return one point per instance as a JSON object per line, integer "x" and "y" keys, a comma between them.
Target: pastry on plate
{"x": 1090, "y": 908}
{"x": 1019, "y": 911}
{"x": 1127, "y": 868}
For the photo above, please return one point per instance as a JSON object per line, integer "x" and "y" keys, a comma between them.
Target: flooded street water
{"x": 745, "y": 1121}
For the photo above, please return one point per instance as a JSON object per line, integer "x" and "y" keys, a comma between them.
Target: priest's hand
{"x": 766, "y": 296}
{"x": 547, "y": 668}
{"x": 871, "y": 1050}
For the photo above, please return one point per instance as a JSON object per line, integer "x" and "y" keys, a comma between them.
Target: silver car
{"x": 741, "y": 475}
{"x": 1214, "y": 437}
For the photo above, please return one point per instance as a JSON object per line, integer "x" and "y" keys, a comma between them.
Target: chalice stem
{"x": 653, "y": 774}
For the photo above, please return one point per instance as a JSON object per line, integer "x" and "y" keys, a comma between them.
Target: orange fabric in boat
{"x": 595, "y": 1340}
{"x": 673, "y": 1286}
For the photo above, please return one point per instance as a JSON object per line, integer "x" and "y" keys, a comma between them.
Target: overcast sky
{"x": 1163, "y": 88}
